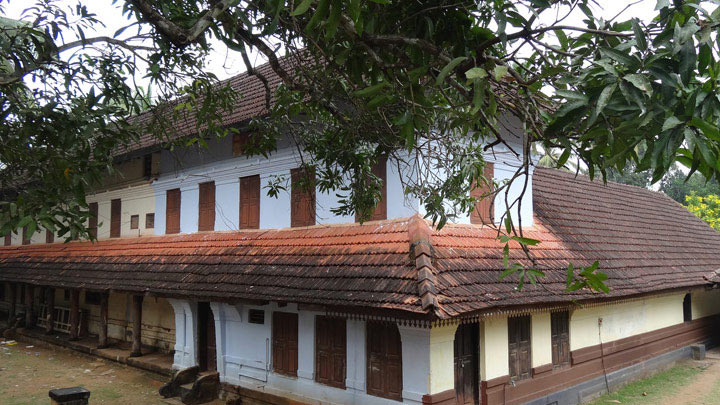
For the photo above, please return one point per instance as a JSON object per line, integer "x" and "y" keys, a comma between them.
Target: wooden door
{"x": 172, "y": 211}
{"x": 519, "y": 347}
{"x": 207, "y": 351}
{"x": 302, "y": 201}
{"x": 466, "y": 364}
{"x": 384, "y": 361}
{"x": 285, "y": 343}
{"x": 250, "y": 202}
{"x": 560, "y": 338}
{"x": 206, "y": 206}
{"x": 115, "y": 217}
{"x": 330, "y": 351}
{"x": 484, "y": 211}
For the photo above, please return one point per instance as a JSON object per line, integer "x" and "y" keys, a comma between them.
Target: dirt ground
{"x": 704, "y": 388}
{"x": 28, "y": 372}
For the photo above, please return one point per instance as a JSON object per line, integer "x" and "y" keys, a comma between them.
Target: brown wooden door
{"x": 330, "y": 351}
{"x": 379, "y": 170}
{"x": 466, "y": 364}
{"x": 207, "y": 351}
{"x": 302, "y": 200}
{"x": 560, "y": 338}
{"x": 93, "y": 221}
{"x": 250, "y": 202}
{"x": 285, "y": 343}
{"x": 115, "y": 217}
{"x": 206, "y": 214}
{"x": 384, "y": 360}
{"x": 519, "y": 347}
{"x": 172, "y": 211}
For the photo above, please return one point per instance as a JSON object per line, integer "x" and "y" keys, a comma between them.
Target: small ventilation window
{"x": 256, "y": 316}
{"x": 150, "y": 220}
{"x": 134, "y": 221}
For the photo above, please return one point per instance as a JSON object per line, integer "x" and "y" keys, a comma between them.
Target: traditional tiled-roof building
{"x": 287, "y": 300}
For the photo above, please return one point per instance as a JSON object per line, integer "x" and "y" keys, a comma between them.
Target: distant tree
{"x": 629, "y": 175}
{"x": 706, "y": 208}
{"x": 679, "y": 187}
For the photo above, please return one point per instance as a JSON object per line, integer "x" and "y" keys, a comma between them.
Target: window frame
{"x": 687, "y": 308}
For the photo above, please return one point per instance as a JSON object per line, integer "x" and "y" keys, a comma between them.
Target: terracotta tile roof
{"x": 251, "y": 103}
{"x": 644, "y": 241}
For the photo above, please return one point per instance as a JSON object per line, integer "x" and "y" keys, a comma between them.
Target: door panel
{"x": 466, "y": 364}
{"x": 285, "y": 343}
{"x": 330, "y": 351}
{"x": 207, "y": 351}
{"x": 384, "y": 360}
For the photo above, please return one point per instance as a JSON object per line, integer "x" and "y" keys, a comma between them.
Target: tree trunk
{"x": 137, "y": 326}
{"x": 75, "y": 314}
{"x": 102, "y": 334}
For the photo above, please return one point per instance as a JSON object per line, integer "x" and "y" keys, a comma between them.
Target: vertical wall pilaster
{"x": 306, "y": 345}
{"x": 416, "y": 363}
{"x": 356, "y": 355}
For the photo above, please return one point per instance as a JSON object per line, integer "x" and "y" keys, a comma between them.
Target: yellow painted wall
{"x": 623, "y": 320}
{"x": 540, "y": 339}
{"x": 705, "y": 303}
{"x": 494, "y": 361}
{"x": 442, "y": 358}
{"x": 137, "y": 200}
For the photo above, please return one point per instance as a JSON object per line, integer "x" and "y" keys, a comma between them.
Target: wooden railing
{"x": 62, "y": 319}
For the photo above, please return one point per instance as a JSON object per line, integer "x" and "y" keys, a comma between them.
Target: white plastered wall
{"x": 705, "y": 303}
{"x": 442, "y": 358}
{"x": 541, "y": 339}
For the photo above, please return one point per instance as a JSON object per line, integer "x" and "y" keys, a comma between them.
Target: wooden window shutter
{"x": 484, "y": 207}
{"x": 519, "y": 347}
{"x": 172, "y": 211}
{"x": 285, "y": 343}
{"x": 134, "y": 221}
{"x": 93, "y": 221}
{"x": 239, "y": 142}
{"x": 250, "y": 202}
{"x": 380, "y": 171}
{"x": 49, "y": 236}
{"x": 560, "y": 338}
{"x": 8, "y": 239}
{"x": 25, "y": 238}
{"x": 206, "y": 219}
{"x": 302, "y": 202}
{"x": 384, "y": 360}
{"x": 115, "y": 217}
{"x": 330, "y": 351}
{"x": 150, "y": 220}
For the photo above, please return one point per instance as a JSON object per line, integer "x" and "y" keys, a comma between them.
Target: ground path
{"x": 704, "y": 388}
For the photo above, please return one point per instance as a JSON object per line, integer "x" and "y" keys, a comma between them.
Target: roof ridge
{"x": 422, "y": 254}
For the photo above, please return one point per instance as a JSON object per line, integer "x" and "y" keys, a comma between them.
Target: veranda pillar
{"x": 103, "y": 333}
{"x": 29, "y": 309}
{"x": 74, "y": 314}
{"x": 50, "y": 310}
{"x": 137, "y": 326}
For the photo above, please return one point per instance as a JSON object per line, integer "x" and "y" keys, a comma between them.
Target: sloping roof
{"x": 645, "y": 242}
{"x": 251, "y": 103}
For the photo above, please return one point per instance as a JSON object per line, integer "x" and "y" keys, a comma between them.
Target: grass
{"x": 653, "y": 389}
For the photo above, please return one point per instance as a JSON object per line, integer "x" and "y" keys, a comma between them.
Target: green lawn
{"x": 653, "y": 389}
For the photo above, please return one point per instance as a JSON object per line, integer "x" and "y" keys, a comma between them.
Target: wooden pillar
{"x": 29, "y": 308}
{"x": 137, "y": 326}
{"x": 11, "y": 299}
{"x": 74, "y": 314}
{"x": 102, "y": 334}
{"x": 50, "y": 310}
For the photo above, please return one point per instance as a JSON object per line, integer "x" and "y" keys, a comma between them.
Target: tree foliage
{"x": 706, "y": 208}
{"x": 678, "y": 185}
{"x": 432, "y": 82}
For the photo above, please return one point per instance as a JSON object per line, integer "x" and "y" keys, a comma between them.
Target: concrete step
{"x": 185, "y": 388}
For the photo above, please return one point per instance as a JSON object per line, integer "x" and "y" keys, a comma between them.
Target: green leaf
{"x": 708, "y": 129}
{"x": 371, "y": 91}
{"x": 661, "y": 4}
{"x": 670, "y": 123}
{"x": 641, "y": 82}
{"x": 449, "y": 68}
{"x": 525, "y": 241}
{"x": 500, "y": 71}
{"x": 476, "y": 73}
{"x": 639, "y": 35}
{"x": 508, "y": 222}
{"x": 688, "y": 59}
{"x": 301, "y": 8}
